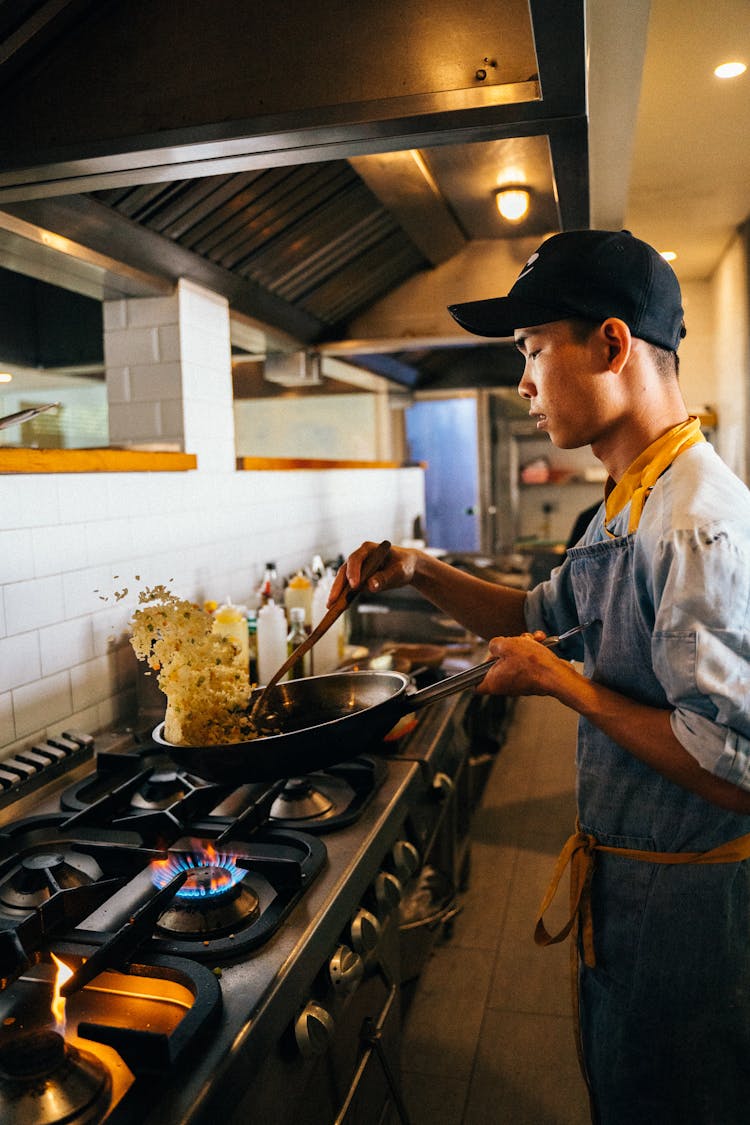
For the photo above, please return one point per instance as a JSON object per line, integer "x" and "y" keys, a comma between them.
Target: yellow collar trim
{"x": 640, "y": 477}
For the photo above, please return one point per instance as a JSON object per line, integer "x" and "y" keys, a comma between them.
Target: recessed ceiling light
{"x": 513, "y": 203}
{"x": 668, "y": 255}
{"x": 6, "y": 377}
{"x": 730, "y": 70}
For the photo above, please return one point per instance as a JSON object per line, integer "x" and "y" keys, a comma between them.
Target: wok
{"x": 323, "y": 719}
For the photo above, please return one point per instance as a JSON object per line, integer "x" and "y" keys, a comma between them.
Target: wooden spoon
{"x": 373, "y": 562}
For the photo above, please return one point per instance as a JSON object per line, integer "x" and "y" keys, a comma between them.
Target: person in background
{"x": 660, "y": 853}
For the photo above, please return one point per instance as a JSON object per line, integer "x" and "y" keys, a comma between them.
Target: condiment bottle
{"x": 299, "y": 592}
{"x": 272, "y": 630}
{"x": 326, "y": 651}
{"x": 271, "y": 587}
{"x": 231, "y": 621}
{"x": 296, "y": 635}
{"x": 252, "y": 637}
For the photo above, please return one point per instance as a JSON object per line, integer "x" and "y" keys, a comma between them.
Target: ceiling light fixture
{"x": 6, "y": 377}
{"x": 513, "y": 202}
{"x": 730, "y": 70}
{"x": 668, "y": 255}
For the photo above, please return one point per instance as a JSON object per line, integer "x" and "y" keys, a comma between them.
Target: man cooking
{"x": 660, "y": 853}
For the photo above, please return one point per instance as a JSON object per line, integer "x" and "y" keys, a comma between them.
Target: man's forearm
{"x": 646, "y": 732}
{"x": 482, "y": 607}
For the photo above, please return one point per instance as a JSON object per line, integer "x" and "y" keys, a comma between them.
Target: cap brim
{"x": 500, "y": 316}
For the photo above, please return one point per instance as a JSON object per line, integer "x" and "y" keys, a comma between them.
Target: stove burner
{"x": 210, "y": 873}
{"x": 43, "y": 1080}
{"x": 160, "y": 790}
{"x": 300, "y": 800}
{"x": 39, "y": 876}
{"x": 211, "y": 902}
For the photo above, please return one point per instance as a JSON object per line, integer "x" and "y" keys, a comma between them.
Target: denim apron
{"x": 665, "y": 1010}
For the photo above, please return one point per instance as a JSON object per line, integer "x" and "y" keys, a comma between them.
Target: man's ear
{"x": 618, "y": 341}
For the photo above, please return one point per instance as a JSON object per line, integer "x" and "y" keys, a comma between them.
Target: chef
{"x": 659, "y": 858}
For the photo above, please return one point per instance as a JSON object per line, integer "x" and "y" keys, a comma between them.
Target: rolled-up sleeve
{"x": 701, "y": 645}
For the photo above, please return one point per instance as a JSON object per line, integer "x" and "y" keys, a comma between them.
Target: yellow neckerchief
{"x": 640, "y": 477}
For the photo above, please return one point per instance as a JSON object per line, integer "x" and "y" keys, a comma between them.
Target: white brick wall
{"x": 69, "y": 542}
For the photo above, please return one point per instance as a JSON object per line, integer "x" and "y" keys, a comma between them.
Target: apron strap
{"x": 579, "y": 852}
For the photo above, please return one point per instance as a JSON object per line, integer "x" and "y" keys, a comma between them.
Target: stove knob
{"x": 442, "y": 786}
{"x": 388, "y": 891}
{"x": 405, "y": 859}
{"x": 313, "y": 1030}
{"x": 365, "y": 932}
{"x": 345, "y": 969}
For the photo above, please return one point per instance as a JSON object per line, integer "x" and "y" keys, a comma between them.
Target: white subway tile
{"x": 29, "y": 501}
{"x": 68, "y": 643}
{"x": 83, "y": 497}
{"x": 136, "y": 421}
{"x": 172, "y": 419}
{"x": 145, "y": 312}
{"x": 7, "y": 726}
{"x": 37, "y": 705}
{"x": 31, "y": 605}
{"x": 19, "y": 660}
{"x": 89, "y": 590}
{"x": 93, "y": 682}
{"x": 108, "y": 541}
{"x": 86, "y": 721}
{"x": 58, "y": 548}
{"x": 118, "y": 384}
{"x": 16, "y": 555}
{"x": 110, "y": 627}
{"x": 168, "y": 343}
{"x": 115, "y": 315}
{"x": 131, "y": 345}
{"x": 3, "y": 629}
{"x": 117, "y": 709}
{"x": 156, "y": 381}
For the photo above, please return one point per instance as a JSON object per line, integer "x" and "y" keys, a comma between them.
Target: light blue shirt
{"x": 690, "y": 579}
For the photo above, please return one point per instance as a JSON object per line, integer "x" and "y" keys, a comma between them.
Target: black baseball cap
{"x": 592, "y": 274}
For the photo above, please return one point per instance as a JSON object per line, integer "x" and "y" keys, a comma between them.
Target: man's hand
{"x": 398, "y": 570}
{"x": 523, "y": 667}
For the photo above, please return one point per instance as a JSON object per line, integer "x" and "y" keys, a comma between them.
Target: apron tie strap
{"x": 579, "y": 852}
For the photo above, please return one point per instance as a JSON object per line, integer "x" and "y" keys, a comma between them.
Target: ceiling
{"x": 337, "y": 184}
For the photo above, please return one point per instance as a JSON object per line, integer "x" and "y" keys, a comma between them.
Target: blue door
{"x": 443, "y": 433}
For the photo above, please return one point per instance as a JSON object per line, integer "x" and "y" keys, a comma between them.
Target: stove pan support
{"x": 149, "y": 1053}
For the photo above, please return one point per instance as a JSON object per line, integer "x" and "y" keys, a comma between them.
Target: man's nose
{"x": 526, "y": 386}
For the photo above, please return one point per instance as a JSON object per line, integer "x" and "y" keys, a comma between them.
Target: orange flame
{"x": 64, "y": 972}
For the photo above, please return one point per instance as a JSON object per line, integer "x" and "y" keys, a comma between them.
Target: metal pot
{"x": 324, "y": 720}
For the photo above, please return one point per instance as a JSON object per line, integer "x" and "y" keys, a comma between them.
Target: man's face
{"x": 566, "y": 382}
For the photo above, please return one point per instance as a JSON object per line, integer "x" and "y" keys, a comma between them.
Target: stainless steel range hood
{"x": 306, "y": 167}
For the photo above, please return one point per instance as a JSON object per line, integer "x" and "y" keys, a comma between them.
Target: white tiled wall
{"x": 69, "y": 542}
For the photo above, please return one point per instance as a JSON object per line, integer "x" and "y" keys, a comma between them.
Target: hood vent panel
{"x": 315, "y": 236}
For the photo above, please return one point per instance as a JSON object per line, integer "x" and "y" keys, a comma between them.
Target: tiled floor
{"x": 489, "y": 1034}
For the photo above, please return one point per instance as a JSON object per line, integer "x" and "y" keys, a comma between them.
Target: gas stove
{"x": 172, "y": 950}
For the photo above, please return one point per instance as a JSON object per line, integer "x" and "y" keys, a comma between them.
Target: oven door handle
{"x": 371, "y": 1036}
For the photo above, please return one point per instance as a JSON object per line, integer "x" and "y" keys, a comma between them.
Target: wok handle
{"x": 444, "y": 688}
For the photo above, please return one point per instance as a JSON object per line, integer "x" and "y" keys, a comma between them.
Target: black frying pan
{"x": 323, "y": 720}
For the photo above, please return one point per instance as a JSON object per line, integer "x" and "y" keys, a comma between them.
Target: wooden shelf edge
{"x": 265, "y": 464}
{"x": 94, "y": 461}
